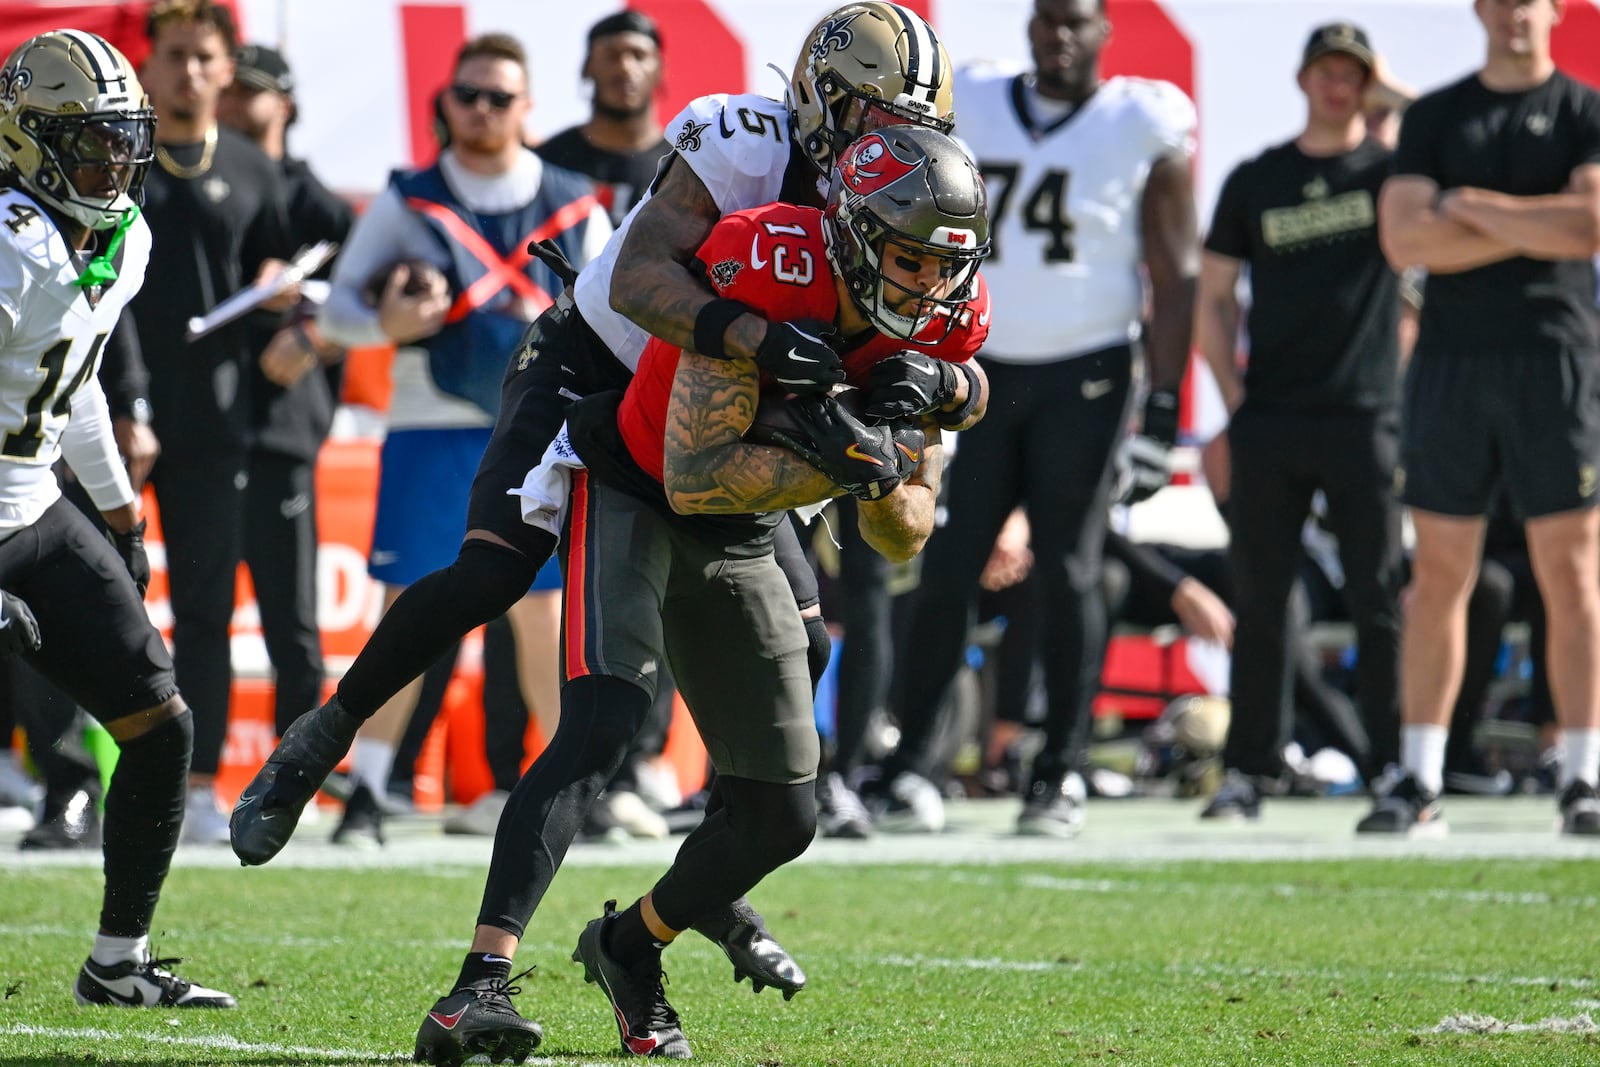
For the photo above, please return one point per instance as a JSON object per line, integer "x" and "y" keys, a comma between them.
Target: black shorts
{"x": 97, "y": 643}
{"x": 559, "y": 360}
{"x": 1472, "y": 422}
{"x": 640, "y": 589}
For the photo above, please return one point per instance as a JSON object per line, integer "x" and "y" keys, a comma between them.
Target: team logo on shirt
{"x": 723, "y": 273}
{"x": 835, "y": 33}
{"x": 1539, "y": 125}
{"x": 870, "y": 165}
{"x": 1588, "y": 480}
{"x": 689, "y": 137}
{"x": 12, "y": 82}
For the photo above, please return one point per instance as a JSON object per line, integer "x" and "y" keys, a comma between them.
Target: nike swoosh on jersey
{"x": 448, "y": 1021}
{"x": 854, "y": 452}
{"x": 983, "y": 320}
{"x": 1094, "y": 390}
{"x": 755, "y": 254}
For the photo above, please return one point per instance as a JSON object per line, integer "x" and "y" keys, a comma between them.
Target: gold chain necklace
{"x": 178, "y": 170}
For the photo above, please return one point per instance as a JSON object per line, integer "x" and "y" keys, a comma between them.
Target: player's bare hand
{"x": 407, "y": 316}
{"x": 138, "y": 447}
{"x": 1202, "y": 612}
{"x": 1012, "y": 557}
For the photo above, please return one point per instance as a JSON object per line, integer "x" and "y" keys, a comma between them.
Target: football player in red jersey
{"x": 667, "y": 542}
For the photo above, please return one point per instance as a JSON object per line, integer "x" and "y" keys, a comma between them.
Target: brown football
{"x": 416, "y": 282}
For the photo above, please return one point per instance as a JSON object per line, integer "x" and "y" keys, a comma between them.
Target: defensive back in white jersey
{"x": 51, "y": 337}
{"x": 1064, "y": 202}
{"x": 738, "y": 146}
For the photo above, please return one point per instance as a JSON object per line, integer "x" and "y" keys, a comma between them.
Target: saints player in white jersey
{"x": 1089, "y": 187}
{"x": 76, "y": 135}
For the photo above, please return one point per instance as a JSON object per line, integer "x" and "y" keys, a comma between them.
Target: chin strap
{"x": 99, "y": 270}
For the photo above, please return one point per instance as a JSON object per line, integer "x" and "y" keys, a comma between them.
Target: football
{"x": 417, "y": 281}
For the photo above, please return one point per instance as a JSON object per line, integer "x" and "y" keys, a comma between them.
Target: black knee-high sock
{"x": 144, "y": 813}
{"x": 599, "y": 716}
{"x": 430, "y": 616}
{"x": 760, "y": 828}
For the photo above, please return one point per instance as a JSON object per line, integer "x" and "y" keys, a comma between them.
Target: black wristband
{"x": 951, "y": 419}
{"x": 712, "y": 323}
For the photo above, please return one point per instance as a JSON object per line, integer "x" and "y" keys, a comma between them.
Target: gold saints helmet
{"x": 76, "y": 126}
{"x": 866, "y": 66}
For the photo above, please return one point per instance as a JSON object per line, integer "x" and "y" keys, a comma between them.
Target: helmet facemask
{"x": 93, "y": 166}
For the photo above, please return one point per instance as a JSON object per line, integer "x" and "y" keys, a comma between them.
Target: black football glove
{"x": 909, "y": 440}
{"x": 1149, "y": 452}
{"x": 130, "y": 546}
{"x": 858, "y": 458}
{"x": 797, "y": 357}
{"x": 909, "y": 384}
{"x": 19, "y": 630}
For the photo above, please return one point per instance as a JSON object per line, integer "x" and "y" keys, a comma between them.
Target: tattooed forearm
{"x": 653, "y": 283}
{"x": 709, "y": 469}
{"x": 897, "y": 526}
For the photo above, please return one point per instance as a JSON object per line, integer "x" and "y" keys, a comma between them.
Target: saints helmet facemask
{"x": 76, "y": 127}
{"x": 864, "y": 67}
{"x": 909, "y": 190}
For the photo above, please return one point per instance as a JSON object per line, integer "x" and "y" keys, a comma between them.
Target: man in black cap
{"x": 621, "y": 143}
{"x": 293, "y": 393}
{"x": 1315, "y": 407}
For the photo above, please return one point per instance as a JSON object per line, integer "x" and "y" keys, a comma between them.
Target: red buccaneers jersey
{"x": 772, "y": 259}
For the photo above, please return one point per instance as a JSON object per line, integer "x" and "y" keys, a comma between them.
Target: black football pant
{"x": 201, "y": 496}
{"x": 280, "y": 547}
{"x": 1280, "y": 460}
{"x": 1046, "y": 443}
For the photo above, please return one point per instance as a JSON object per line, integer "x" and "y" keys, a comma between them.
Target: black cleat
{"x": 362, "y": 821}
{"x": 71, "y": 825}
{"x": 1406, "y": 809}
{"x": 265, "y": 816}
{"x": 646, "y": 1022}
{"x": 478, "y": 1020}
{"x": 143, "y": 985}
{"x": 1580, "y": 809}
{"x": 1237, "y": 799}
{"x": 742, "y": 935}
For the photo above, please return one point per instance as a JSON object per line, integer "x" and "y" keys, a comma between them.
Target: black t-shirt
{"x": 620, "y": 178}
{"x": 1526, "y": 144}
{"x": 1324, "y": 309}
{"x": 294, "y": 421}
{"x": 211, "y": 233}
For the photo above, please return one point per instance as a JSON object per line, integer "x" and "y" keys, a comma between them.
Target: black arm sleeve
{"x": 1145, "y": 565}
{"x": 122, "y": 374}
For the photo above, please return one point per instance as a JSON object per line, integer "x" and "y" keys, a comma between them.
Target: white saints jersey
{"x": 738, "y": 146}
{"x": 51, "y": 337}
{"x": 1064, "y": 200}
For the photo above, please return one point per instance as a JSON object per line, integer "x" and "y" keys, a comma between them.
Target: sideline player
{"x": 864, "y": 66}
{"x": 668, "y": 547}
{"x": 76, "y": 137}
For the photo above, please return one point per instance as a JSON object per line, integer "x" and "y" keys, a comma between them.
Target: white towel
{"x": 548, "y": 487}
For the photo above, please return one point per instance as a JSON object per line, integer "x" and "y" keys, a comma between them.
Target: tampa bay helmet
{"x": 864, "y": 66}
{"x": 912, "y": 188}
{"x": 76, "y": 126}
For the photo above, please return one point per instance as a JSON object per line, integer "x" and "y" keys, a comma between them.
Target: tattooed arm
{"x": 652, "y": 282}
{"x": 709, "y": 468}
{"x": 897, "y": 526}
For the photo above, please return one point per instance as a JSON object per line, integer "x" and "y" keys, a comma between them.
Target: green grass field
{"x": 1337, "y": 962}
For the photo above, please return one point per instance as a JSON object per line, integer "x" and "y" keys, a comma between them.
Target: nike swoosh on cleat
{"x": 642, "y": 1046}
{"x": 448, "y": 1021}
{"x": 854, "y": 452}
{"x": 133, "y": 1000}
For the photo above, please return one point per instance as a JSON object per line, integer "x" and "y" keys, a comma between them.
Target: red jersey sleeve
{"x": 772, "y": 259}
